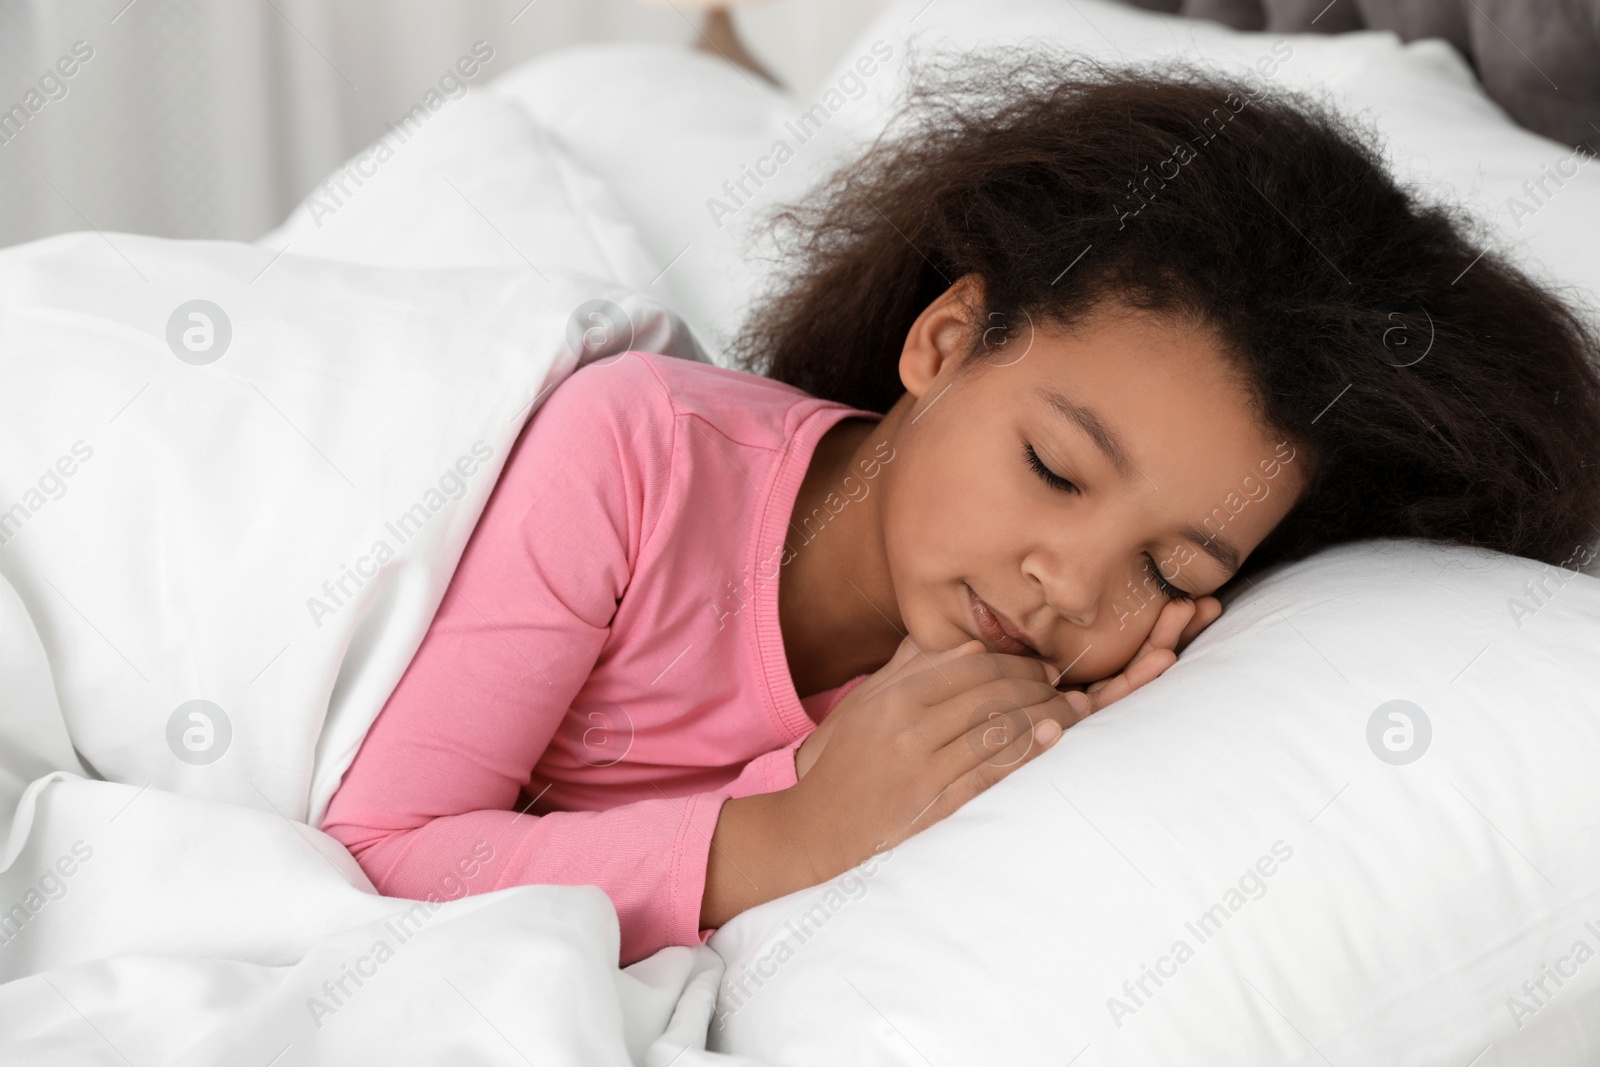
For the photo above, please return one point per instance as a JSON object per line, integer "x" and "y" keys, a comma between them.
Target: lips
{"x": 996, "y": 629}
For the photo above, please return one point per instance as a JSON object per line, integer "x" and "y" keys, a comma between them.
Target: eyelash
{"x": 1055, "y": 481}
{"x": 1172, "y": 592}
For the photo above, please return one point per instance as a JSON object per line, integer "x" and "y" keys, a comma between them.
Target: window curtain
{"x": 212, "y": 118}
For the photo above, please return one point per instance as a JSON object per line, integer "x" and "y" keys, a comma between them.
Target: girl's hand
{"x": 921, "y": 737}
{"x": 806, "y": 755}
{"x": 1179, "y": 623}
{"x": 907, "y": 660}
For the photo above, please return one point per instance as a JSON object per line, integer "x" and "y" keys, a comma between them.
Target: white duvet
{"x": 234, "y": 481}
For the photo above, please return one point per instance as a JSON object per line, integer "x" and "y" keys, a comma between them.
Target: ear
{"x": 942, "y": 335}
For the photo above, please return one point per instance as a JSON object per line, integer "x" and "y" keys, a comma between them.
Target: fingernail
{"x": 1080, "y": 702}
{"x": 1048, "y": 731}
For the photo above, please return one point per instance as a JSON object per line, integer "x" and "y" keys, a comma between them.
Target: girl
{"x": 1068, "y": 352}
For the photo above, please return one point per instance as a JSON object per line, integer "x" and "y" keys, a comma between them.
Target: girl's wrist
{"x": 806, "y": 754}
{"x": 753, "y": 857}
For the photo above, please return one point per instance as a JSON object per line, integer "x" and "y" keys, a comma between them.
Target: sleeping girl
{"x": 997, "y": 443}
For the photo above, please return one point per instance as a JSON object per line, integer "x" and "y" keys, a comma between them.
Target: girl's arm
{"x": 427, "y": 806}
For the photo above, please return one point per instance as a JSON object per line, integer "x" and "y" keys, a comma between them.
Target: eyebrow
{"x": 1111, "y": 448}
{"x": 1215, "y": 547}
{"x": 1087, "y": 421}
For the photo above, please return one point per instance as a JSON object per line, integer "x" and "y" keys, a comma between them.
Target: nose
{"x": 1074, "y": 578}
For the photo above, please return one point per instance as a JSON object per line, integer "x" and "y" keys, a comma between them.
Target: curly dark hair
{"x": 1265, "y": 217}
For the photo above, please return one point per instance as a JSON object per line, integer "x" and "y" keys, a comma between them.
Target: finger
{"x": 1170, "y": 624}
{"x": 925, "y": 661}
{"x": 946, "y": 678}
{"x": 928, "y": 659}
{"x": 1150, "y": 667}
{"x": 1207, "y": 611}
{"x": 1175, "y": 620}
{"x": 1139, "y": 670}
{"x": 908, "y": 651}
{"x": 1096, "y": 690}
{"x": 1145, "y": 669}
{"x": 992, "y": 728}
{"x": 952, "y": 719}
{"x": 992, "y": 737}
{"x": 986, "y": 772}
{"x": 1080, "y": 702}
{"x": 969, "y": 647}
{"x": 1108, "y": 691}
{"x": 1167, "y": 631}
{"x": 904, "y": 651}
{"x": 910, "y": 658}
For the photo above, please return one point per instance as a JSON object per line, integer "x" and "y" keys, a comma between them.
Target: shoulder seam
{"x": 672, "y": 459}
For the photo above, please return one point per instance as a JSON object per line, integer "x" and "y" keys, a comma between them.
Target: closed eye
{"x": 1054, "y": 480}
{"x": 1171, "y": 591}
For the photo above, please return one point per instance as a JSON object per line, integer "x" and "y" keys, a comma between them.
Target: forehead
{"x": 1138, "y": 361}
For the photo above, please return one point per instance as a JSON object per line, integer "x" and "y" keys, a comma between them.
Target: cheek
{"x": 946, "y": 509}
{"x": 945, "y": 521}
{"x": 922, "y": 544}
{"x": 1112, "y": 645}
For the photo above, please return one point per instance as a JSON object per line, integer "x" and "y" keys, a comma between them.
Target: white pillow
{"x": 479, "y": 184}
{"x": 1232, "y": 865}
{"x": 666, "y": 127}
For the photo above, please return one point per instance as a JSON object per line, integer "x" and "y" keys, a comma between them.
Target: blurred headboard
{"x": 1539, "y": 59}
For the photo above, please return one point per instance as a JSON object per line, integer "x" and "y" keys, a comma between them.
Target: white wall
{"x": 211, "y": 118}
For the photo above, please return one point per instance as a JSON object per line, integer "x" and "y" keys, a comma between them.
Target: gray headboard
{"x": 1539, "y": 59}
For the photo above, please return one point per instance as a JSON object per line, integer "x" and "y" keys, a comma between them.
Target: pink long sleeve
{"x": 589, "y": 694}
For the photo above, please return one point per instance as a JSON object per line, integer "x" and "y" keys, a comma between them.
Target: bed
{"x": 1238, "y": 863}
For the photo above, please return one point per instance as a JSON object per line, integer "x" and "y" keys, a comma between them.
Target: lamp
{"x": 718, "y": 36}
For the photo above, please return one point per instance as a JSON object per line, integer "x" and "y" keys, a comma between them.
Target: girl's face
{"x": 1073, "y": 482}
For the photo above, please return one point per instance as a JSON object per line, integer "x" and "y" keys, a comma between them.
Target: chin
{"x": 936, "y": 632}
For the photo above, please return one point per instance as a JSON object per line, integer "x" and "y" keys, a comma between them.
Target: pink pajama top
{"x": 606, "y": 667}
